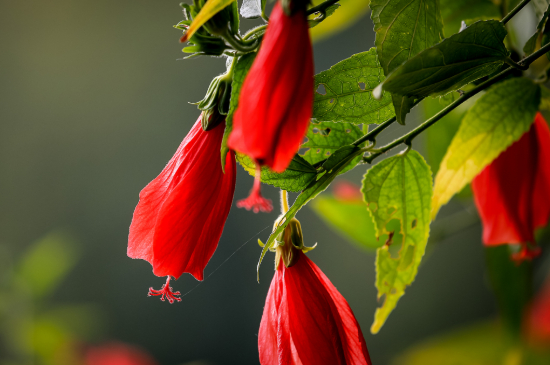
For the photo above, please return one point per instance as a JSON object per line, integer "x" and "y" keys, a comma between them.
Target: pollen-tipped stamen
{"x": 165, "y": 292}
{"x": 255, "y": 201}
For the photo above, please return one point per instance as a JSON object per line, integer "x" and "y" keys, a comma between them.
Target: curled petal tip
{"x": 183, "y": 38}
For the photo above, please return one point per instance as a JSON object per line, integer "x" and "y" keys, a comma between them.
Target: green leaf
{"x": 347, "y": 94}
{"x": 349, "y": 218}
{"x": 531, "y": 44}
{"x": 454, "y": 12}
{"x": 475, "y": 52}
{"x": 321, "y": 18}
{"x": 499, "y": 118}
{"x": 47, "y": 262}
{"x": 211, "y": 8}
{"x": 309, "y": 193}
{"x": 545, "y": 98}
{"x": 295, "y": 178}
{"x": 239, "y": 73}
{"x": 398, "y": 188}
{"x": 346, "y": 16}
{"x": 511, "y": 284}
{"x": 403, "y": 29}
{"x": 482, "y": 343}
{"x": 324, "y": 138}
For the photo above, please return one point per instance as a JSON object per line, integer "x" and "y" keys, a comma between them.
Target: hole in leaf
{"x": 315, "y": 130}
{"x": 325, "y": 132}
{"x": 328, "y": 153}
{"x": 362, "y": 85}
{"x": 391, "y": 210}
{"x": 303, "y": 151}
{"x": 331, "y": 101}
{"x": 321, "y": 89}
{"x": 318, "y": 150}
{"x": 348, "y": 130}
{"x": 413, "y": 224}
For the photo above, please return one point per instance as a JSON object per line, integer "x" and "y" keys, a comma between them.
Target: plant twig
{"x": 514, "y": 11}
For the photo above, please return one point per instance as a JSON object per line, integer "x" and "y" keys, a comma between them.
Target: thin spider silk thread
{"x": 227, "y": 259}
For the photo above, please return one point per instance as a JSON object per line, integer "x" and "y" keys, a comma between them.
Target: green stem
{"x": 514, "y": 11}
{"x": 371, "y": 136}
{"x": 321, "y": 7}
{"x": 237, "y": 44}
{"x": 407, "y": 138}
{"x": 517, "y": 66}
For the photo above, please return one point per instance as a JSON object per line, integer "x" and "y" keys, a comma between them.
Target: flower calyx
{"x": 215, "y": 104}
{"x": 288, "y": 243}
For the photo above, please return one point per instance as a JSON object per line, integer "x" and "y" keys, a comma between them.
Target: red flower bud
{"x": 181, "y": 213}
{"x": 512, "y": 194}
{"x": 306, "y": 320}
{"x": 276, "y": 98}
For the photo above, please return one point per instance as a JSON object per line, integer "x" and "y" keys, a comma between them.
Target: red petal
{"x": 180, "y": 217}
{"x": 314, "y": 325}
{"x": 277, "y": 95}
{"x": 504, "y": 193}
{"x": 541, "y": 191}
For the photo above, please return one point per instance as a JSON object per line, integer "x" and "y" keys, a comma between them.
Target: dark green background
{"x": 93, "y": 103}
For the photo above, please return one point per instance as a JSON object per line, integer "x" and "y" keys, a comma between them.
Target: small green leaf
{"x": 475, "y": 52}
{"x": 321, "y": 18}
{"x": 295, "y": 178}
{"x": 324, "y": 138}
{"x": 398, "y": 188}
{"x": 349, "y": 218}
{"x": 344, "y": 92}
{"x": 47, "y": 262}
{"x": 241, "y": 70}
{"x": 403, "y": 29}
{"x": 499, "y": 118}
{"x": 454, "y": 12}
{"x": 531, "y": 44}
{"x": 346, "y": 16}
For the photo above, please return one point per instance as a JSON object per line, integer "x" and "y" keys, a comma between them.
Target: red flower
{"x": 512, "y": 194}
{"x": 117, "y": 354}
{"x": 180, "y": 215}
{"x": 276, "y": 98}
{"x": 307, "y": 321}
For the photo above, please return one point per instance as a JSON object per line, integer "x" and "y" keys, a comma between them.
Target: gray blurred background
{"x": 93, "y": 103}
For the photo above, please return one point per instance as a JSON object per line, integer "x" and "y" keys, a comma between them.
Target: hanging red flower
{"x": 307, "y": 321}
{"x": 276, "y": 98}
{"x": 181, "y": 213}
{"x": 512, "y": 194}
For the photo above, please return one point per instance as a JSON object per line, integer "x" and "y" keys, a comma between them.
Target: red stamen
{"x": 255, "y": 200}
{"x": 166, "y": 292}
{"x": 526, "y": 253}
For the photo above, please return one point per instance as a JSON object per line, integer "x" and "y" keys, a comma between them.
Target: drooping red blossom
{"x": 117, "y": 354}
{"x": 512, "y": 194}
{"x": 181, "y": 213}
{"x": 307, "y": 321}
{"x": 276, "y": 98}
{"x": 255, "y": 201}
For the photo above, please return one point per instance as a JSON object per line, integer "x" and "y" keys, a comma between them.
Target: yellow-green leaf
{"x": 498, "y": 118}
{"x": 398, "y": 188}
{"x": 211, "y": 8}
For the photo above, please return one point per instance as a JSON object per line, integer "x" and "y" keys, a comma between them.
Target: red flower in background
{"x": 117, "y": 354}
{"x": 276, "y": 98}
{"x": 512, "y": 194}
{"x": 181, "y": 213}
{"x": 307, "y": 321}
{"x": 538, "y": 318}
